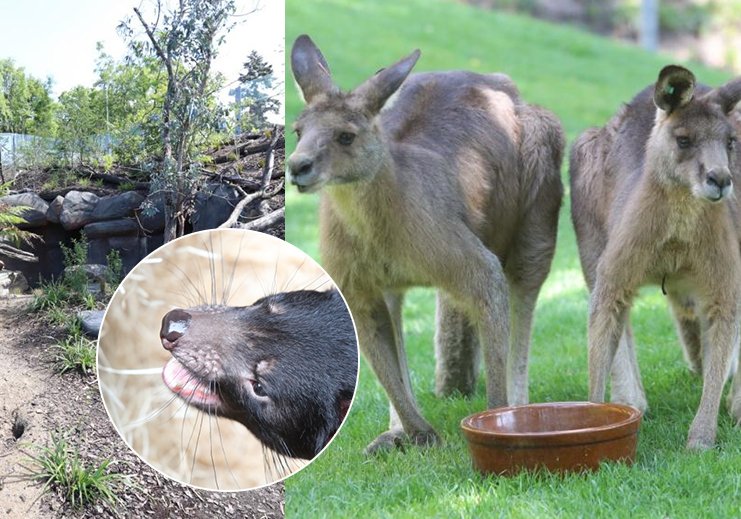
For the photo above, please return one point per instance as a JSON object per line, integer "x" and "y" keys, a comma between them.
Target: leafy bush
{"x": 75, "y": 257}
{"x": 115, "y": 269}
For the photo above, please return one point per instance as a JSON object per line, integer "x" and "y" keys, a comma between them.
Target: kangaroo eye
{"x": 297, "y": 131}
{"x": 731, "y": 143}
{"x": 346, "y": 138}
{"x": 683, "y": 142}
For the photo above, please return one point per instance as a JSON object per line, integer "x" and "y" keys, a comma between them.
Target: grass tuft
{"x": 59, "y": 467}
{"x": 53, "y": 294}
{"x": 75, "y": 353}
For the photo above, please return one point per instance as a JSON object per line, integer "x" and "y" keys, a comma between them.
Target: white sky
{"x": 57, "y": 38}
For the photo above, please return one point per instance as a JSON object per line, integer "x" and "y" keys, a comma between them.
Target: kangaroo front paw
{"x": 397, "y": 439}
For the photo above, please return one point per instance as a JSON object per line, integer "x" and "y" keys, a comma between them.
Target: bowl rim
{"x": 633, "y": 416}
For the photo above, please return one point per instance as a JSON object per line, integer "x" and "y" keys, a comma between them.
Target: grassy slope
{"x": 583, "y": 79}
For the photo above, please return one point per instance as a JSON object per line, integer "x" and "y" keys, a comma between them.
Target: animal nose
{"x": 300, "y": 166}
{"x": 720, "y": 178}
{"x": 174, "y": 325}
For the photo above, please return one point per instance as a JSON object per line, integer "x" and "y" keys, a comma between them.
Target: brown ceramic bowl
{"x": 559, "y": 437}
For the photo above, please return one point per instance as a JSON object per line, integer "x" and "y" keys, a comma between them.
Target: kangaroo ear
{"x": 310, "y": 69}
{"x": 674, "y": 88}
{"x": 727, "y": 95}
{"x": 375, "y": 91}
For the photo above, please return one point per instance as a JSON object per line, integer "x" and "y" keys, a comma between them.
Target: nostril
{"x": 302, "y": 167}
{"x": 174, "y": 325}
{"x": 719, "y": 180}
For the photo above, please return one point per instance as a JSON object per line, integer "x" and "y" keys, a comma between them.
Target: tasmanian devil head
{"x": 285, "y": 366}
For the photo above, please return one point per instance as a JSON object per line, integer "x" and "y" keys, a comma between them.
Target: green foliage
{"x": 115, "y": 269}
{"x": 25, "y": 102}
{"x": 59, "y": 315}
{"x": 89, "y": 301}
{"x": 60, "y": 467}
{"x": 50, "y": 295}
{"x": 133, "y": 90}
{"x": 257, "y": 83}
{"x": 60, "y": 177}
{"x": 107, "y": 162}
{"x": 685, "y": 17}
{"x": 75, "y": 353}
{"x": 10, "y": 218}
{"x": 584, "y": 80}
{"x": 75, "y": 257}
{"x": 81, "y": 121}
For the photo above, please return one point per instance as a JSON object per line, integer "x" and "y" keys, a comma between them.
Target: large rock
{"x": 117, "y": 206}
{"x": 36, "y": 215}
{"x": 122, "y": 227}
{"x": 213, "y": 205}
{"x": 55, "y": 209}
{"x": 77, "y": 210}
{"x": 130, "y": 249}
{"x": 91, "y": 321}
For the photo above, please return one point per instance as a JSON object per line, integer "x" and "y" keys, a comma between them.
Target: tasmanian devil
{"x": 285, "y": 367}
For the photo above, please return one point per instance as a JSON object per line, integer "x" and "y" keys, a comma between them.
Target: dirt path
{"x": 70, "y": 405}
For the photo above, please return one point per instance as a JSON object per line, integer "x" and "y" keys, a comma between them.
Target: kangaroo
{"x": 653, "y": 203}
{"x": 455, "y": 184}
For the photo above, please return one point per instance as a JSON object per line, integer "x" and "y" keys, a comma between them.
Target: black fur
{"x": 286, "y": 365}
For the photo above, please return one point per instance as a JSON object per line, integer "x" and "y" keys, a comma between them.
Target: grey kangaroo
{"x": 453, "y": 183}
{"x": 653, "y": 202}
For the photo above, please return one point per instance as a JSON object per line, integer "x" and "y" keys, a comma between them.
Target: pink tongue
{"x": 183, "y": 383}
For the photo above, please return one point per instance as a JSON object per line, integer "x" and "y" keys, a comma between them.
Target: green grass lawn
{"x": 583, "y": 79}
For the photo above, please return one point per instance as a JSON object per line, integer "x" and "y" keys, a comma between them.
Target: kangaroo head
{"x": 693, "y": 140}
{"x": 339, "y": 140}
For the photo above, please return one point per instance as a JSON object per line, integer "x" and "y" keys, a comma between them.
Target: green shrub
{"x": 74, "y": 258}
{"x": 115, "y": 269}
{"x": 52, "y": 294}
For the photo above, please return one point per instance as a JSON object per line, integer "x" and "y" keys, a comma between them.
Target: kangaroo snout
{"x": 718, "y": 184}
{"x": 301, "y": 171}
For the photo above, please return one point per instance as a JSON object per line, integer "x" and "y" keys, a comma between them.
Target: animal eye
{"x": 258, "y": 389}
{"x": 346, "y": 138}
{"x": 297, "y": 131}
{"x": 731, "y": 143}
{"x": 683, "y": 142}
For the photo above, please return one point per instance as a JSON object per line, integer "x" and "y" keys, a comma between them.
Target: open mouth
{"x": 189, "y": 386}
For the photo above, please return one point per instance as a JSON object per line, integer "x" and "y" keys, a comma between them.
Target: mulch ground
{"x": 70, "y": 404}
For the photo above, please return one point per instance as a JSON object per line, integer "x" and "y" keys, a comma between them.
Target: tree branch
{"x": 266, "y": 221}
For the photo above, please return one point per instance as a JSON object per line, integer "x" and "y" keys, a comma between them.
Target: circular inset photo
{"x": 227, "y": 359}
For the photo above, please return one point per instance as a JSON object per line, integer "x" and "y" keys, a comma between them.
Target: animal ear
{"x": 727, "y": 95}
{"x": 375, "y": 91}
{"x": 310, "y": 69}
{"x": 674, "y": 88}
